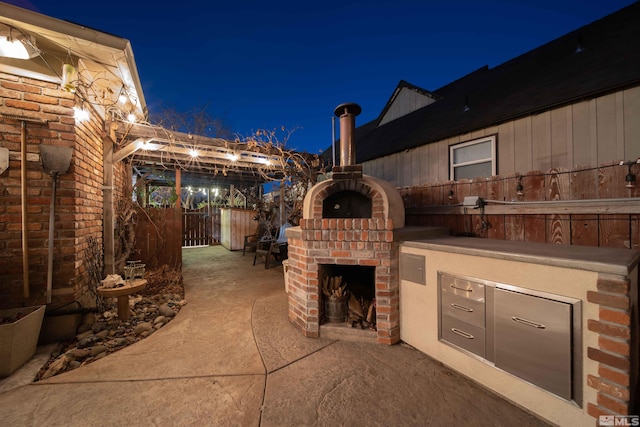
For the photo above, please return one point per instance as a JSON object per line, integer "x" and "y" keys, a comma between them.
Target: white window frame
{"x": 492, "y": 159}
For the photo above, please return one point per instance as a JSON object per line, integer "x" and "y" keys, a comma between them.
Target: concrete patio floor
{"x": 231, "y": 357}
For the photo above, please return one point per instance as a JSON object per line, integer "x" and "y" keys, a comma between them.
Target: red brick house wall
{"x": 79, "y": 194}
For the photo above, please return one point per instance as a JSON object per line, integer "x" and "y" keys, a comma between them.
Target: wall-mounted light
{"x": 194, "y": 153}
{"x": 69, "y": 78}
{"x": 451, "y": 193}
{"x": 233, "y": 157}
{"x": 520, "y": 187}
{"x": 15, "y": 44}
{"x": 80, "y": 113}
{"x": 630, "y": 179}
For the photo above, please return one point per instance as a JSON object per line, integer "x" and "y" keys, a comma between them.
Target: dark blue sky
{"x": 260, "y": 64}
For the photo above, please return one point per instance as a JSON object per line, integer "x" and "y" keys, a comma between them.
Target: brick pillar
{"x": 613, "y": 380}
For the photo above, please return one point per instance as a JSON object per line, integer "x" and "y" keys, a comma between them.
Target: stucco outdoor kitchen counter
{"x": 617, "y": 261}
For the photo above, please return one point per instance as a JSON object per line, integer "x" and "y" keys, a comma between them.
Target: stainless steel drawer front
{"x": 465, "y": 309}
{"x": 463, "y": 335}
{"x": 462, "y": 287}
{"x": 533, "y": 340}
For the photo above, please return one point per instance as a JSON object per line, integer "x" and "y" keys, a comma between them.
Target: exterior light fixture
{"x": 81, "y": 114}
{"x": 630, "y": 178}
{"x": 15, "y": 44}
{"x": 193, "y": 153}
{"x": 520, "y": 187}
{"x": 233, "y": 157}
{"x": 69, "y": 78}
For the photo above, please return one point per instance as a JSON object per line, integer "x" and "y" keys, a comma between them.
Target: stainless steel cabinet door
{"x": 533, "y": 340}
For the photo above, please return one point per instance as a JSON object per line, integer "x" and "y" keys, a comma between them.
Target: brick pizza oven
{"x": 350, "y": 227}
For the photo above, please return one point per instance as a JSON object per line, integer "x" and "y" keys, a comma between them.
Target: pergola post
{"x": 178, "y": 188}
{"x": 108, "y": 222}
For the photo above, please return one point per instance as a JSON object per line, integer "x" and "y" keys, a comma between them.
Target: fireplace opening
{"x": 347, "y": 204}
{"x": 348, "y": 295}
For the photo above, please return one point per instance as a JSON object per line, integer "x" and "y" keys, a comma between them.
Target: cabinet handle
{"x": 462, "y": 333}
{"x": 461, "y": 289}
{"x": 461, "y": 307}
{"x": 528, "y": 322}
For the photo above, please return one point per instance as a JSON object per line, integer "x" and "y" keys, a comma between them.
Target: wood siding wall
{"x": 590, "y": 132}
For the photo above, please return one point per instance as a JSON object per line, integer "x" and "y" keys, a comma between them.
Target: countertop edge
{"x": 521, "y": 252}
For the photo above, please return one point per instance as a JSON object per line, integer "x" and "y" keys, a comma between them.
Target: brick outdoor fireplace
{"x": 349, "y": 222}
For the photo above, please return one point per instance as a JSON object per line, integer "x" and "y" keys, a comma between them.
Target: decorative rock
{"x": 97, "y": 349}
{"x": 86, "y": 342}
{"x": 103, "y": 334}
{"x": 142, "y": 327}
{"x": 166, "y": 311}
{"x": 57, "y": 366}
{"x": 118, "y": 342}
{"x": 147, "y": 333}
{"x": 78, "y": 353}
{"x": 84, "y": 335}
{"x": 110, "y": 314}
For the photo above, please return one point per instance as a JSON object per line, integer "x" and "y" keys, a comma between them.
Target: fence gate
{"x": 200, "y": 227}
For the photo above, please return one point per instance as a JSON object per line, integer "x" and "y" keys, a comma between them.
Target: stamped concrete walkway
{"x": 230, "y": 357}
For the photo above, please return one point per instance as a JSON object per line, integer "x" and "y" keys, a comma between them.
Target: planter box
{"x": 18, "y": 340}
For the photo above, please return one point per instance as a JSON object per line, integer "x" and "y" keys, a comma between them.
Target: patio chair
{"x": 251, "y": 241}
{"x": 273, "y": 248}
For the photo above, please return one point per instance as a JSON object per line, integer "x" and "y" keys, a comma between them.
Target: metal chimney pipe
{"x": 347, "y": 113}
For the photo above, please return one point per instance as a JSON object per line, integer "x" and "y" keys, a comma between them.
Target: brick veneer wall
{"x": 344, "y": 241}
{"x": 617, "y": 352}
{"x": 79, "y": 198}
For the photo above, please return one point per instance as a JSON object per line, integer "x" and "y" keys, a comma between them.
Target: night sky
{"x": 264, "y": 65}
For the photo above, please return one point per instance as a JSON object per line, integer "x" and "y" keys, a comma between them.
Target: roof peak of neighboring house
{"x": 405, "y": 99}
{"x": 593, "y": 60}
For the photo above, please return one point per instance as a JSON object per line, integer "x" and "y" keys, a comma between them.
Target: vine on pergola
{"x": 291, "y": 170}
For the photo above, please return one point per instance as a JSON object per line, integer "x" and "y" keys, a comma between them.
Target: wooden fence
{"x": 159, "y": 237}
{"x": 585, "y": 206}
{"x": 200, "y": 227}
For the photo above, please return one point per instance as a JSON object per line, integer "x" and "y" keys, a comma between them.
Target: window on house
{"x": 473, "y": 159}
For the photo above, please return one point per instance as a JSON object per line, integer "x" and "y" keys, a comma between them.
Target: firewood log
{"x": 370, "y": 313}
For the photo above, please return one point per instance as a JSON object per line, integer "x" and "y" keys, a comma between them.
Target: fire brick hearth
{"x": 349, "y": 220}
